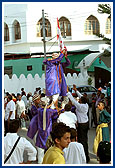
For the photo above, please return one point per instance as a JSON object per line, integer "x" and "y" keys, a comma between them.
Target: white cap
{"x": 55, "y": 55}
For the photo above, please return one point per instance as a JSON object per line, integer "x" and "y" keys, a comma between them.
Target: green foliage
{"x": 107, "y": 40}
{"x": 104, "y": 8}
{"x": 90, "y": 81}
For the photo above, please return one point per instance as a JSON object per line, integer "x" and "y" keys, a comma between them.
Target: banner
{"x": 59, "y": 37}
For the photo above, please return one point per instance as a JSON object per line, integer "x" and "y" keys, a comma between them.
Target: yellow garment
{"x": 98, "y": 137}
{"x": 54, "y": 155}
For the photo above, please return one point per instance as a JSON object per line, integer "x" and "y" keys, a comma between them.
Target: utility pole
{"x": 44, "y": 41}
{"x": 44, "y": 35}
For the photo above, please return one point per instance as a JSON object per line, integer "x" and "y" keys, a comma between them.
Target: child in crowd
{"x": 102, "y": 131}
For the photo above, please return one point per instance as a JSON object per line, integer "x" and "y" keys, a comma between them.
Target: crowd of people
{"x": 71, "y": 114}
{"x": 58, "y": 121}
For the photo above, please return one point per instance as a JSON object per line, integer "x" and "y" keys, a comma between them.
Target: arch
{"x": 108, "y": 26}
{"x": 92, "y": 26}
{"x": 47, "y": 28}
{"x": 17, "y": 30}
{"x": 65, "y": 26}
{"x": 6, "y": 32}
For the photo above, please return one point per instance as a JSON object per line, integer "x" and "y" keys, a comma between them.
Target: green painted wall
{"x": 19, "y": 66}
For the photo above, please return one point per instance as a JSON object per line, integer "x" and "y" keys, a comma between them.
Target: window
{"x": 65, "y": 27}
{"x": 29, "y": 68}
{"x": 91, "y": 25}
{"x": 8, "y": 71}
{"x": 85, "y": 89}
{"x": 91, "y": 89}
{"x": 17, "y": 30}
{"x": 6, "y": 32}
{"x": 40, "y": 28}
{"x": 108, "y": 26}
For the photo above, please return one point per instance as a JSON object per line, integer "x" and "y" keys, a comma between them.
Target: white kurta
{"x": 81, "y": 109}
{"x": 17, "y": 155}
{"x": 68, "y": 118}
{"x": 20, "y": 106}
{"x": 74, "y": 154}
{"x": 10, "y": 107}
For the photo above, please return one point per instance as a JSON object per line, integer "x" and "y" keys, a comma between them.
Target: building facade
{"x": 79, "y": 24}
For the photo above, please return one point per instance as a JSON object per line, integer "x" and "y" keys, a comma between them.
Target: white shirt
{"x": 81, "y": 109}
{"x": 10, "y": 107}
{"x": 24, "y": 98}
{"x": 74, "y": 153}
{"x": 69, "y": 118}
{"x": 29, "y": 103}
{"x": 17, "y": 155}
{"x": 20, "y": 107}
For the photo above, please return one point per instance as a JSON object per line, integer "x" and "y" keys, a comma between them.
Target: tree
{"x": 105, "y": 8}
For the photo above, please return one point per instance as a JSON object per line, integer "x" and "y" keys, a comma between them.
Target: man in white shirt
{"x": 22, "y": 145}
{"x": 9, "y": 113}
{"x": 20, "y": 110}
{"x": 83, "y": 123}
{"x": 74, "y": 153}
{"x": 69, "y": 118}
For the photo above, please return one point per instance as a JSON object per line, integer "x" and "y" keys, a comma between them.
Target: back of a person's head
{"x": 85, "y": 94}
{"x": 67, "y": 107}
{"x": 7, "y": 93}
{"x": 83, "y": 100}
{"x": 42, "y": 95}
{"x": 58, "y": 130}
{"x": 104, "y": 152}
{"x": 22, "y": 89}
{"x": 14, "y": 125}
{"x": 73, "y": 134}
{"x": 10, "y": 97}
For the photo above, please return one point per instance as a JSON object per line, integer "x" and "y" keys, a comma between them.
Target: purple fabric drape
{"x": 36, "y": 124}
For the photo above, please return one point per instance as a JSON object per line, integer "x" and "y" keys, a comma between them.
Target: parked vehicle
{"x": 85, "y": 89}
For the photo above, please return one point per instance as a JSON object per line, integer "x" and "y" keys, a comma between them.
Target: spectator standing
{"x": 68, "y": 118}
{"x": 20, "y": 111}
{"x": 74, "y": 153}
{"x": 83, "y": 123}
{"x": 37, "y": 91}
{"x": 22, "y": 145}
{"x": 98, "y": 98}
{"x": 9, "y": 112}
{"x": 94, "y": 117}
{"x": 29, "y": 104}
{"x": 102, "y": 131}
{"x": 103, "y": 99}
{"x": 61, "y": 136}
{"x": 23, "y": 92}
{"x": 24, "y": 98}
